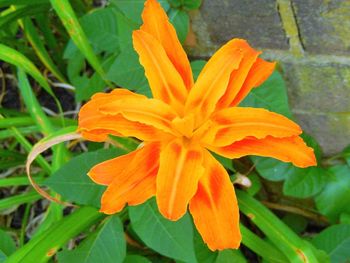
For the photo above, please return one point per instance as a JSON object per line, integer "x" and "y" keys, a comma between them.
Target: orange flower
{"x": 181, "y": 124}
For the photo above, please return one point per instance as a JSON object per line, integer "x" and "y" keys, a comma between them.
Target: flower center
{"x": 184, "y": 126}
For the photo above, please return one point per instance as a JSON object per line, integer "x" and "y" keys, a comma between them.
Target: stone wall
{"x": 310, "y": 39}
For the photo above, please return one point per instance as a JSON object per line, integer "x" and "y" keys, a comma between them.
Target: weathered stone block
{"x": 256, "y": 21}
{"x": 324, "y": 25}
{"x": 320, "y": 99}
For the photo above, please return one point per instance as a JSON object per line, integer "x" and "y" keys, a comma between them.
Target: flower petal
{"x": 156, "y": 23}
{"x": 234, "y": 124}
{"x": 165, "y": 82}
{"x": 213, "y": 80}
{"x": 179, "y": 171}
{"x": 214, "y": 207}
{"x": 151, "y": 112}
{"x": 259, "y": 72}
{"x": 134, "y": 184}
{"x": 96, "y": 126}
{"x": 238, "y": 76}
{"x": 291, "y": 149}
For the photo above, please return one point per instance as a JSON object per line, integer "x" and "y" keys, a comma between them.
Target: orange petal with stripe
{"x": 234, "y": 124}
{"x": 291, "y": 149}
{"x": 213, "y": 80}
{"x": 132, "y": 185}
{"x": 164, "y": 80}
{"x": 239, "y": 76}
{"x": 179, "y": 171}
{"x": 259, "y": 72}
{"x": 96, "y": 126}
{"x": 151, "y": 112}
{"x": 156, "y": 23}
{"x": 214, "y": 207}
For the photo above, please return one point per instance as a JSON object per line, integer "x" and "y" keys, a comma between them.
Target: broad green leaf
{"x": 271, "y": 95}
{"x": 132, "y": 8}
{"x": 71, "y": 180}
{"x": 14, "y": 57}
{"x": 3, "y": 257}
{"x": 335, "y": 240}
{"x": 42, "y": 247}
{"x": 230, "y": 255}
{"x": 66, "y": 13}
{"x": 136, "y": 259}
{"x": 295, "y": 222}
{"x": 127, "y": 72}
{"x": 101, "y": 29}
{"x": 171, "y": 239}
{"x": 335, "y": 197}
{"x": 291, "y": 245}
{"x": 192, "y": 4}
{"x": 107, "y": 243}
{"x": 303, "y": 183}
{"x": 271, "y": 169}
{"x": 7, "y": 244}
{"x": 203, "y": 253}
{"x": 197, "y": 67}
{"x": 181, "y": 21}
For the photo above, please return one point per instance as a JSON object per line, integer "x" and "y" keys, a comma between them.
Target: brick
{"x": 324, "y": 25}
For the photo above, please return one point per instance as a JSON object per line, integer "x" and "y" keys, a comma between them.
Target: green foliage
{"x": 71, "y": 180}
{"x": 172, "y": 239}
{"x": 106, "y": 243}
{"x": 335, "y": 240}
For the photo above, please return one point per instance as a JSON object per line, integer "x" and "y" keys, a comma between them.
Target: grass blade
{"x": 34, "y": 39}
{"x": 18, "y": 200}
{"x": 70, "y": 21}
{"x": 43, "y": 246}
{"x": 293, "y": 247}
{"x": 14, "y": 57}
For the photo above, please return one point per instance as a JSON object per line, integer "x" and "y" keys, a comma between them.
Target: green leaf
{"x": 335, "y": 240}
{"x": 21, "y": 12}
{"x": 19, "y": 199}
{"x": 271, "y": 95}
{"x": 22, "y": 2}
{"x": 14, "y": 57}
{"x": 291, "y": 245}
{"x": 38, "y": 45}
{"x": 346, "y": 154}
{"x": 271, "y": 169}
{"x": 71, "y": 180}
{"x": 192, "y": 4}
{"x": 127, "y": 72}
{"x": 303, "y": 183}
{"x": 132, "y": 8}
{"x": 171, "y": 239}
{"x": 230, "y": 255}
{"x": 66, "y": 13}
{"x": 7, "y": 244}
{"x": 295, "y": 222}
{"x": 186, "y": 4}
{"x": 101, "y": 29}
{"x": 197, "y": 67}
{"x": 45, "y": 245}
{"x": 203, "y": 253}
{"x": 181, "y": 21}
{"x": 136, "y": 259}
{"x": 335, "y": 197}
{"x": 107, "y": 243}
